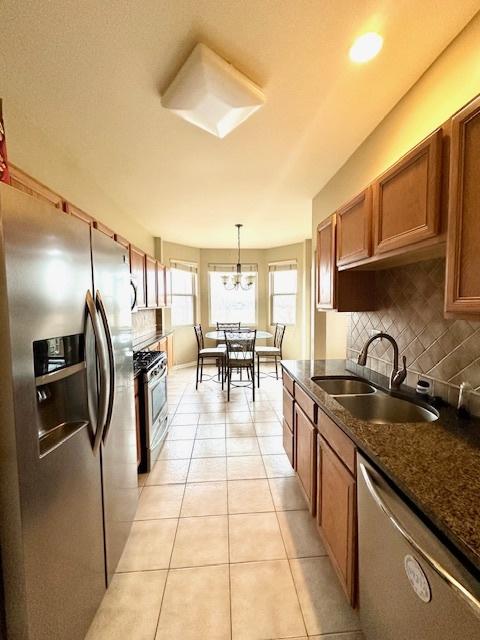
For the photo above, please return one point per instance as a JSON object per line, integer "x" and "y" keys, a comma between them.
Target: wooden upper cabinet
{"x": 463, "y": 243}
{"x": 151, "y": 274}
{"x": 326, "y": 264}
{"x": 78, "y": 213}
{"x": 123, "y": 241}
{"x": 137, "y": 269}
{"x": 336, "y": 515}
{"x": 104, "y": 229}
{"x": 354, "y": 229}
{"x": 406, "y": 198}
{"x": 20, "y": 180}
{"x": 161, "y": 285}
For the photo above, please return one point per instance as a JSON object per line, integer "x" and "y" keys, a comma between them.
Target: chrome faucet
{"x": 398, "y": 375}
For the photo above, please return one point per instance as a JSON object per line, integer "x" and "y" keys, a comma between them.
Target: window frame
{"x": 194, "y": 295}
{"x": 273, "y": 295}
{"x": 211, "y": 322}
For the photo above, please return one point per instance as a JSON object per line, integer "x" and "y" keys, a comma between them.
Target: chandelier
{"x": 237, "y": 280}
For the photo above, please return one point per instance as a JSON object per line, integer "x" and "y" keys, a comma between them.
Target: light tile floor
{"x": 223, "y": 547}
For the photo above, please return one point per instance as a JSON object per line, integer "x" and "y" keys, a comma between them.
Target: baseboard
{"x": 185, "y": 365}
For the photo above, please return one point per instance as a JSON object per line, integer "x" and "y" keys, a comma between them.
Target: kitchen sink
{"x": 344, "y": 386}
{"x": 381, "y": 408}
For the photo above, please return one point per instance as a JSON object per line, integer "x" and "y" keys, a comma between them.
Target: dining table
{"x": 220, "y": 335}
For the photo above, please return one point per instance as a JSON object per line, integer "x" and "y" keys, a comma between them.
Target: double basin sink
{"x": 366, "y": 402}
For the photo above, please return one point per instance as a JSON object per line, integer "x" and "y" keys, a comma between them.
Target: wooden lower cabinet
{"x": 138, "y": 418}
{"x": 305, "y": 456}
{"x": 288, "y": 408}
{"x": 288, "y": 443}
{"x": 336, "y": 515}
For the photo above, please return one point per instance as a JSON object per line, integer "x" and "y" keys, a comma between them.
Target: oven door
{"x": 156, "y": 417}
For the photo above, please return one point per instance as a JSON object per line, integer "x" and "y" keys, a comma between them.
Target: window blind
{"x": 284, "y": 265}
{"x": 231, "y": 268}
{"x": 184, "y": 266}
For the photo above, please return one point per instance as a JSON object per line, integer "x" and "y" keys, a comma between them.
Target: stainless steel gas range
{"x": 151, "y": 366}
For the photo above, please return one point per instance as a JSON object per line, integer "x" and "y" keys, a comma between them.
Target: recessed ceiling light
{"x": 366, "y": 47}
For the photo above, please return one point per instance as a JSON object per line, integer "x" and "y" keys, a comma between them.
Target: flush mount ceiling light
{"x": 366, "y": 47}
{"x": 210, "y": 93}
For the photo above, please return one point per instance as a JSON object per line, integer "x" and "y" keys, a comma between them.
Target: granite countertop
{"x": 146, "y": 341}
{"x": 436, "y": 465}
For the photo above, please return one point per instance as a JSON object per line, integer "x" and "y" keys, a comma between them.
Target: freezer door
{"x": 50, "y": 478}
{"x": 401, "y": 594}
{"x": 111, "y": 277}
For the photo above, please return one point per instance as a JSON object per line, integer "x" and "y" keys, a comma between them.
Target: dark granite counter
{"x": 436, "y": 465}
{"x": 145, "y": 341}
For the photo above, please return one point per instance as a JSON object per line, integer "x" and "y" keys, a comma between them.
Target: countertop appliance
{"x": 411, "y": 587}
{"x": 152, "y": 368}
{"x": 68, "y": 481}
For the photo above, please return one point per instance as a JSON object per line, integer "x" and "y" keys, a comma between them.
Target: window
{"x": 283, "y": 293}
{"x": 184, "y": 286}
{"x": 232, "y": 306}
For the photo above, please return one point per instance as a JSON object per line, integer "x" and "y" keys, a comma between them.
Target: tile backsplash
{"x": 410, "y": 308}
{"x": 144, "y": 323}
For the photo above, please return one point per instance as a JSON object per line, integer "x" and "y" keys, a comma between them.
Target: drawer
{"x": 288, "y": 408}
{"x": 338, "y": 441}
{"x": 306, "y": 403}
{"x": 288, "y": 383}
{"x": 288, "y": 443}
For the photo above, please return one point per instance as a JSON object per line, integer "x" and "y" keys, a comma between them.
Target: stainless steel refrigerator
{"x": 68, "y": 472}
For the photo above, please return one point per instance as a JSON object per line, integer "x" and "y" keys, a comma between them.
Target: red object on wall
{"x": 4, "y": 173}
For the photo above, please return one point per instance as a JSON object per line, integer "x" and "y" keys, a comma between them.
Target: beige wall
{"x": 296, "y": 344}
{"x": 185, "y": 348}
{"x": 34, "y": 153}
{"x": 451, "y": 81}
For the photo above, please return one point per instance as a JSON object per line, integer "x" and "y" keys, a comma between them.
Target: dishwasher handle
{"x": 452, "y": 582}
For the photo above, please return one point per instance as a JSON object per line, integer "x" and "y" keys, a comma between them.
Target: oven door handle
{"x": 111, "y": 364}
{"x": 98, "y": 424}
{"x": 445, "y": 575}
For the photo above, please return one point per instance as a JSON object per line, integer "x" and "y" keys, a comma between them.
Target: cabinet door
{"x": 123, "y": 241}
{"x": 305, "y": 457}
{"x": 463, "y": 255}
{"x": 104, "y": 229}
{"x": 24, "y": 182}
{"x": 151, "y": 274}
{"x": 138, "y": 420}
{"x": 78, "y": 213}
{"x": 354, "y": 229}
{"x": 336, "y": 515}
{"x": 287, "y": 408}
{"x": 161, "y": 292}
{"x": 326, "y": 264}
{"x": 137, "y": 269}
{"x": 288, "y": 443}
{"x": 406, "y": 198}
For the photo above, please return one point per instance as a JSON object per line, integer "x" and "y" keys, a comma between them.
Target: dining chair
{"x": 226, "y": 326}
{"x": 274, "y": 351}
{"x": 240, "y": 355}
{"x": 217, "y": 353}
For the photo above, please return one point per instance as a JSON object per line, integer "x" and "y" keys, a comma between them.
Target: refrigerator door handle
{"x": 135, "y": 292}
{"x": 111, "y": 364}
{"x": 459, "y": 589}
{"x": 102, "y": 367}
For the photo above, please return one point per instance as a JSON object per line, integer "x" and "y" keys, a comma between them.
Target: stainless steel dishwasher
{"x": 411, "y": 586}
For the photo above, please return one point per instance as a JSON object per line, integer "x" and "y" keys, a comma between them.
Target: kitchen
{"x": 330, "y": 490}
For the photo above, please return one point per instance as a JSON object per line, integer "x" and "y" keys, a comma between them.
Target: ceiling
{"x": 89, "y": 75}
